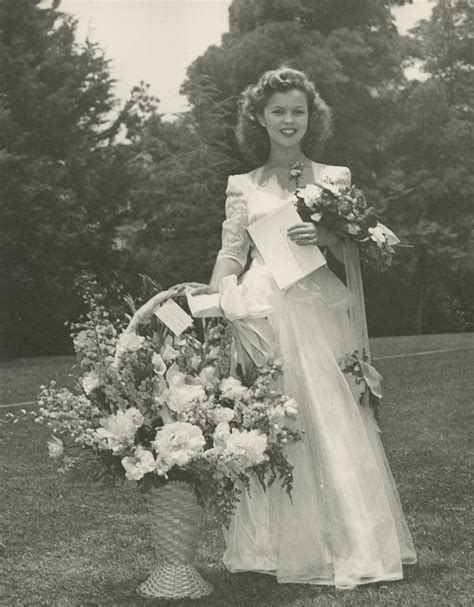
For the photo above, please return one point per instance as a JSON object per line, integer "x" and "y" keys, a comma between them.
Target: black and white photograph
{"x": 236, "y": 303}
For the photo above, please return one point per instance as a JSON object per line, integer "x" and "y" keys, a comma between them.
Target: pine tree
{"x": 62, "y": 187}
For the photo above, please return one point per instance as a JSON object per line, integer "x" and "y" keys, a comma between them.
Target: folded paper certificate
{"x": 287, "y": 261}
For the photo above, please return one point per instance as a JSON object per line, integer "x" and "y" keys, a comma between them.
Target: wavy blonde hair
{"x": 253, "y": 137}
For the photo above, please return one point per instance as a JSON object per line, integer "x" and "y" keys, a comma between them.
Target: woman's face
{"x": 286, "y": 117}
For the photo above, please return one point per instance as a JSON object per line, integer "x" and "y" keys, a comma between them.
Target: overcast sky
{"x": 155, "y": 40}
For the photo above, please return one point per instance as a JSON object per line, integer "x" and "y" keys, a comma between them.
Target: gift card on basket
{"x": 287, "y": 261}
{"x": 174, "y": 317}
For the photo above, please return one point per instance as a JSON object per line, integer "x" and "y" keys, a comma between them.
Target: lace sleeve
{"x": 235, "y": 239}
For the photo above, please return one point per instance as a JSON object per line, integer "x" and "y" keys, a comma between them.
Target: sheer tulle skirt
{"x": 344, "y": 524}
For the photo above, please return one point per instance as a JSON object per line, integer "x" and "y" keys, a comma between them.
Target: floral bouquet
{"x": 345, "y": 211}
{"x": 154, "y": 407}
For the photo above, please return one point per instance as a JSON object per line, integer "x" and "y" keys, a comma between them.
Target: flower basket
{"x": 175, "y": 518}
{"x": 164, "y": 410}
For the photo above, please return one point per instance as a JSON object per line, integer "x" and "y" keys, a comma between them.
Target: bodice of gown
{"x": 247, "y": 202}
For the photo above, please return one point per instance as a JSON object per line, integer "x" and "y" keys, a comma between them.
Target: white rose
{"x": 178, "y": 443}
{"x": 222, "y": 415}
{"x": 55, "y": 447}
{"x": 90, "y": 381}
{"x": 139, "y": 464}
{"x": 232, "y": 388}
{"x": 311, "y": 194}
{"x": 334, "y": 189}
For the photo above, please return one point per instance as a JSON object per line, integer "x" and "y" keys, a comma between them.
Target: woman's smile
{"x": 288, "y": 131}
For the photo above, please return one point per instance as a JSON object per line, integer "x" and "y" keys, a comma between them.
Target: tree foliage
{"x": 88, "y": 184}
{"x": 429, "y": 184}
{"x": 351, "y": 50}
{"x": 62, "y": 187}
{"x": 418, "y": 176}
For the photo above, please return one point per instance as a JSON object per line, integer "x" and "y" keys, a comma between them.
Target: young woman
{"x": 344, "y": 525}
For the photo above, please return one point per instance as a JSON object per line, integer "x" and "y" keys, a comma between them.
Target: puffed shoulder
{"x": 340, "y": 175}
{"x": 238, "y": 184}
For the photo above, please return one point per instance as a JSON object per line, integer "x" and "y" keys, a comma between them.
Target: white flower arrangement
{"x": 344, "y": 211}
{"x": 151, "y": 407}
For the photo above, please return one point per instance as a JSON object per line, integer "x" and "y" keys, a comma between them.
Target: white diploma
{"x": 174, "y": 317}
{"x": 287, "y": 261}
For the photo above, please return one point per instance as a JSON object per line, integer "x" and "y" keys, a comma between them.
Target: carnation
{"x": 178, "y": 443}
{"x": 181, "y": 398}
{"x": 232, "y": 388}
{"x": 139, "y": 464}
{"x": 243, "y": 449}
{"x": 222, "y": 415}
{"x": 120, "y": 428}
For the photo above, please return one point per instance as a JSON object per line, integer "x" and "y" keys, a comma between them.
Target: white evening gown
{"x": 344, "y": 525}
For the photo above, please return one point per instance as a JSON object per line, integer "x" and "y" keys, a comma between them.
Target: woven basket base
{"x": 172, "y": 581}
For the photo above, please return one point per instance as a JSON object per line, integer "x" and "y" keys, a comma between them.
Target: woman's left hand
{"x": 308, "y": 233}
{"x": 194, "y": 288}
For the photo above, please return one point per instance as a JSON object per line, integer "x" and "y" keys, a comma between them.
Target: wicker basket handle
{"x": 144, "y": 312}
{"x": 147, "y": 309}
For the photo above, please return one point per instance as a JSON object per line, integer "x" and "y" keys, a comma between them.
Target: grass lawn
{"x": 84, "y": 546}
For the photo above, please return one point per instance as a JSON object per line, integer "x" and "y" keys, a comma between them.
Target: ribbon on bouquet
{"x": 253, "y": 336}
{"x": 371, "y": 376}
